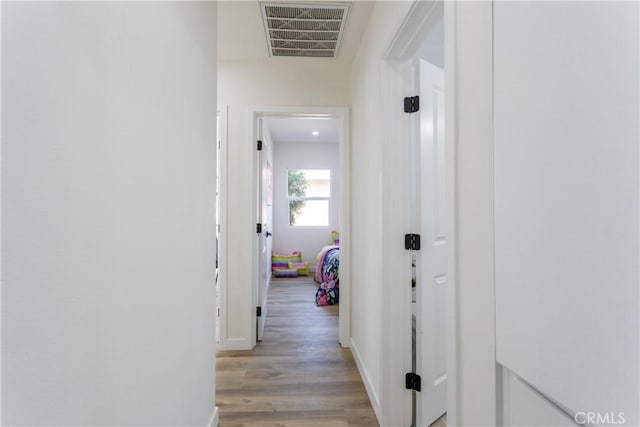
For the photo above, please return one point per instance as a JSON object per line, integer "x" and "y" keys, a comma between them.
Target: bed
{"x": 327, "y": 275}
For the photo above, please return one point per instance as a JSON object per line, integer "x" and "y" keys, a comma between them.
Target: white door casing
{"x": 249, "y": 310}
{"x": 418, "y": 24}
{"x": 432, "y": 263}
{"x": 263, "y": 219}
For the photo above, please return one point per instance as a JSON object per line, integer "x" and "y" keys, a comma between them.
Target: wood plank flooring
{"x": 298, "y": 375}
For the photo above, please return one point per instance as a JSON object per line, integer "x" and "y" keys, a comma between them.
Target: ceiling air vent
{"x": 307, "y": 30}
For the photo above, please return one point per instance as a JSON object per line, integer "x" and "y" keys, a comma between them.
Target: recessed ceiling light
{"x": 315, "y": 133}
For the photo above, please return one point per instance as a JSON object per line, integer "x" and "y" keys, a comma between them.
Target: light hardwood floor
{"x": 298, "y": 375}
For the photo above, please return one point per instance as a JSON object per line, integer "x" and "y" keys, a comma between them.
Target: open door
{"x": 432, "y": 261}
{"x": 264, "y": 196}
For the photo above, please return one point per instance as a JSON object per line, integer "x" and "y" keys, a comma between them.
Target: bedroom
{"x": 306, "y": 210}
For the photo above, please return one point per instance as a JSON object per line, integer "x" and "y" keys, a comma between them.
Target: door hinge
{"x": 259, "y": 145}
{"x": 258, "y": 311}
{"x": 258, "y": 228}
{"x": 412, "y": 381}
{"x": 412, "y": 242}
{"x": 411, "y": 104}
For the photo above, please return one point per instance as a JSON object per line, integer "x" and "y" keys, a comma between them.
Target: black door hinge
{"x": 259, "y": 311}
{"x": 411, "y": 104}
{"x": 259, "y": 145}
{"x": 412, "y": 242}
{"x": 412, "y": 381}
{"x": 258, "y": 228}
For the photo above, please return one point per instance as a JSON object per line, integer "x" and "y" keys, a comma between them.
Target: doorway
{"x": 416, "y": 72}
{"x": 264, "y": 210}
{"x": 273, "y": 205}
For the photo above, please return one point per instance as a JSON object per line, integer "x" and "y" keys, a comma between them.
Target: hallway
{"x": 298, "y": 375}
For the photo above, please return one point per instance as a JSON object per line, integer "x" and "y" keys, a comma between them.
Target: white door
{"x": 263, "y": 215}
{"x": 432, "y": 263}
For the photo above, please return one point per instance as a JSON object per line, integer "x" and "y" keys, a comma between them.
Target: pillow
{"x": 285, "y": 272}
{"x": 301, "y": 267}
{"x": 294, "y": 257}
{"x": 282, "y": 261}
{"x": 276, "y": 265}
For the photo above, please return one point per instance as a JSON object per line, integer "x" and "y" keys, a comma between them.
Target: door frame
{"x": 344, "y": 189}
{"x": 261, "y": 242}
{"x": 222, "y": 242}
{"x": 420, "y": 20}
{"x": 470, "y": 337}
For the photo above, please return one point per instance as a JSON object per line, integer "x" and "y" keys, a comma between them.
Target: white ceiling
{"x": 299, "y": 130}
{"x": 241, "y": 34}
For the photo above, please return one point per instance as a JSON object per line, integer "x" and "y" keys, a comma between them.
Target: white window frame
{"x": 310, "y": 198}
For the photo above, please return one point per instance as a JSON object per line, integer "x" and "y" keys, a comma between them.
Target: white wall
{"x": 309, "y": 240}
{"x": 560, "y": 230}
{"x": 108, "y": 173}
{"x": 566, "y": 202}
{"x": 243, "y": 85}
{"x": 368, "y": 197}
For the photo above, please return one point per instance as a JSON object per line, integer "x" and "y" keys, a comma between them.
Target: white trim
{"x": 237, "y": 344}
{"x": 413, "y": 30}
{"x": 252, "y": 137}
{"x": 450, "y": 67}
{"x": 213, "y": 419}
{"x": 366, "y": 380}
{"x": 344, "y": 192}
{"x": 470, "y": 132}
{"x": 222, "y": 243}
{"x": 396, "y": 310}
{"x": 1, "y": 228}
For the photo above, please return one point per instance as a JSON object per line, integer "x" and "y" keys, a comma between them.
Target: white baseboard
{"x": 235, "y": 344}
{"x": 373, "y": 397}
{"x": 213, "y": 420}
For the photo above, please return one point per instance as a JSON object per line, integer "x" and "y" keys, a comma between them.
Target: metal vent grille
{"x": 304, "y": 30}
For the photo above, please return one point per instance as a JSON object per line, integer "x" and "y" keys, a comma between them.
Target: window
{"x": 309, "y": 192}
